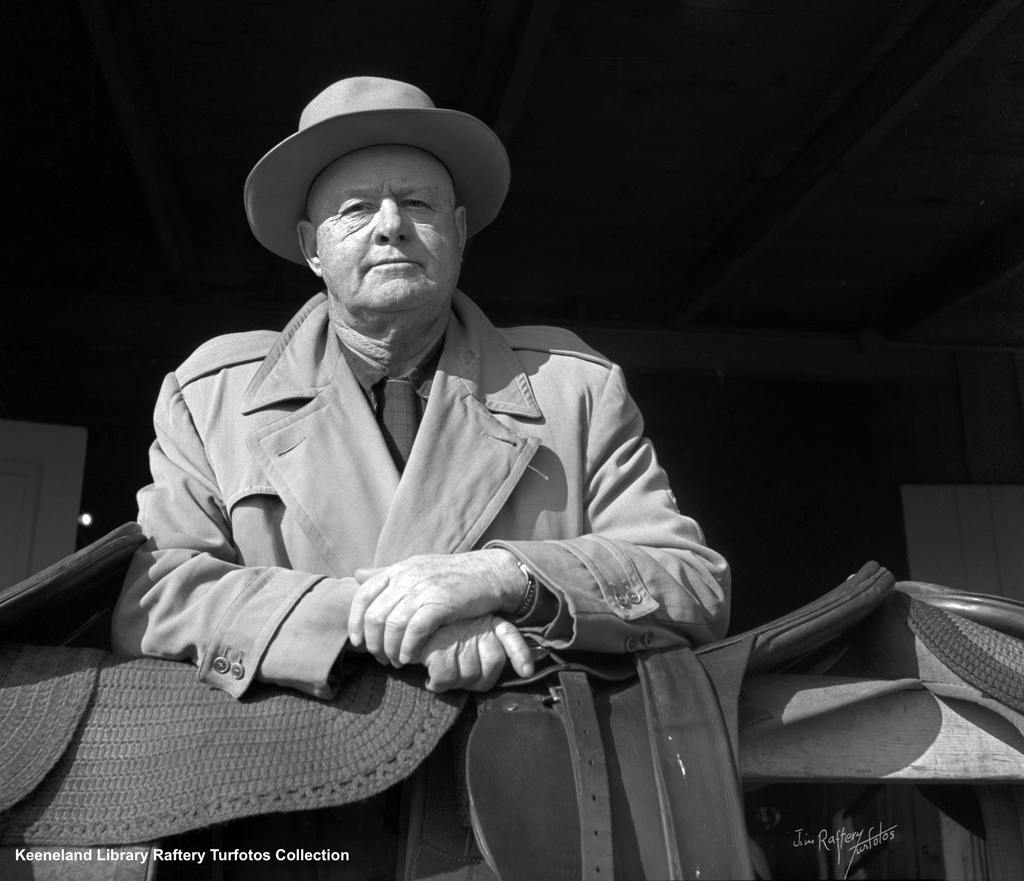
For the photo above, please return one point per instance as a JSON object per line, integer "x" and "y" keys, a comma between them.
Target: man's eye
{"x": 415, "y": 203}
{"x": 354, "y": 208}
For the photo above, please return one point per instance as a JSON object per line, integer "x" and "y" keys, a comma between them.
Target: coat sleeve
{"x": 187, "y": 596}
{"x": 641, "y": 576}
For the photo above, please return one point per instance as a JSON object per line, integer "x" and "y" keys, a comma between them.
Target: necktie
{"x": 398, "y": 413}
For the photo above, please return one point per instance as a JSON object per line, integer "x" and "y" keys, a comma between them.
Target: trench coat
{"x": 272, "y": 485}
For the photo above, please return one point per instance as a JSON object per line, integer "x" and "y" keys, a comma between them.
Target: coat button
{"x": 237, "y": 670}
{"x": 622, "y": 600}
{"x": 632, "y": 644}
{"x": 648, "y": 638}
{"x": 221, "y": 665}
{"x": 633, "y": 597}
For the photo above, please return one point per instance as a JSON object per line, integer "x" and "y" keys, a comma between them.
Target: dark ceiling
{"x": 846, "y": 167}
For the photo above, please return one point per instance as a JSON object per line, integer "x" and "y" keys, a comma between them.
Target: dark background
{"x": 798, "y": 225}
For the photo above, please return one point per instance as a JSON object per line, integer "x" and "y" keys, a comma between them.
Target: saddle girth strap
{"x": 593, "y": 799}
{"x": 695, "y": 771}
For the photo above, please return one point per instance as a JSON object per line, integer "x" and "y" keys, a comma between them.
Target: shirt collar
{"x": 421, "y": 374}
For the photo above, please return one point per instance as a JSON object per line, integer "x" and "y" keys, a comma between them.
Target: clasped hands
{"x": 441, "y": 611}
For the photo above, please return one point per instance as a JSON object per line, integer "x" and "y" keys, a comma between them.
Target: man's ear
{"x": 460, "y": 225}
{"x": 307, "y": 242}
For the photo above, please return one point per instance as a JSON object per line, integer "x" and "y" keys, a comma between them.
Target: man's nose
{"x": 390, "y": 223}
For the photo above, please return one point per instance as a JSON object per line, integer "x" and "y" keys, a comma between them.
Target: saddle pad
{"x": 44, "y": 697}
{"x": 987, "y": 659}
{"x": 156, "y": 754}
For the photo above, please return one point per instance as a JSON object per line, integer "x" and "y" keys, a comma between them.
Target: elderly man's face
{"x": 384, "y": 232}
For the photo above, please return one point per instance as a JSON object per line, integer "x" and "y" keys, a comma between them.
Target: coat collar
{"x": 304, "y": 359}
{"x": 300, "y": 364}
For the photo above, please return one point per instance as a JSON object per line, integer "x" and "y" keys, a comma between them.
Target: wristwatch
{"x": 530, "y": 594}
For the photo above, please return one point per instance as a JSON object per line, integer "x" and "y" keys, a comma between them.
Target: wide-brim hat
{"x": 363, "y": 112}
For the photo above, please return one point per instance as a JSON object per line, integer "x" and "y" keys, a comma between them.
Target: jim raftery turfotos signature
{"x": 842, "y": 841}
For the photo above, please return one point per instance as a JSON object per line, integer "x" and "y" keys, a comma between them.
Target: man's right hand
{"x": 395, "y": 610}
{"x": 471, "y": 654}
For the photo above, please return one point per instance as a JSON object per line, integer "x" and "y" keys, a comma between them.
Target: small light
{"x": 85, "y": 519}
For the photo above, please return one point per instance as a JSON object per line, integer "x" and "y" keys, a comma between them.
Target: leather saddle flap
{"x": 519, "y": 773}
{"x": 79, "y": 585}
{"x": 809, "y": 627}
{"x": 520, "y": 782}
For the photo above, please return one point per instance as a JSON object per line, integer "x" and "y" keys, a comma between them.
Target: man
{"x": 291, "y": 518}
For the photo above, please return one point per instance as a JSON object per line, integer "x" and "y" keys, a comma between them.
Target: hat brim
{"x": 276, "y": 189}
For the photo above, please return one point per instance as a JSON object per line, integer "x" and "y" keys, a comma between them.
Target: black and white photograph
{"x": 512, "y": 440}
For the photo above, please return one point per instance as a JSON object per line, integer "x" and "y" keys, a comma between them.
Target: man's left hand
{"x": 395, "y": 610}
{"x": 473, "y": 654}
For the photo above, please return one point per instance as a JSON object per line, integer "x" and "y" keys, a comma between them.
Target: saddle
{"x": 644, "y": 754}
{"x": 596, "y": 767}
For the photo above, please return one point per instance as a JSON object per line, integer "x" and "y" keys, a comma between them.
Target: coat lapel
{"x": 326, "y": 459}
{"x": 465, "y": 461}
{"x": 332, "y": 469}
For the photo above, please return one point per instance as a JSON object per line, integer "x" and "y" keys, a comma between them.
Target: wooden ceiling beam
{"x": 945, "y": 33}
{"x": 726, "y": 353}
{"x": 496, "y": 42}
{"x": 957, "y": 281}
{"x": 513, "y": 38}
{"x": 535, "y": 32}
{"x": 905, "y": 15}
{"x": 124, "y": 82}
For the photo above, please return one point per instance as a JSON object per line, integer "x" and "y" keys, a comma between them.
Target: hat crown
{"x": 363, "y": 93}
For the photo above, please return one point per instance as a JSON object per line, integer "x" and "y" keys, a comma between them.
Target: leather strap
{"x": 697, "y": 779}
{"x": 576, "y": 707}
